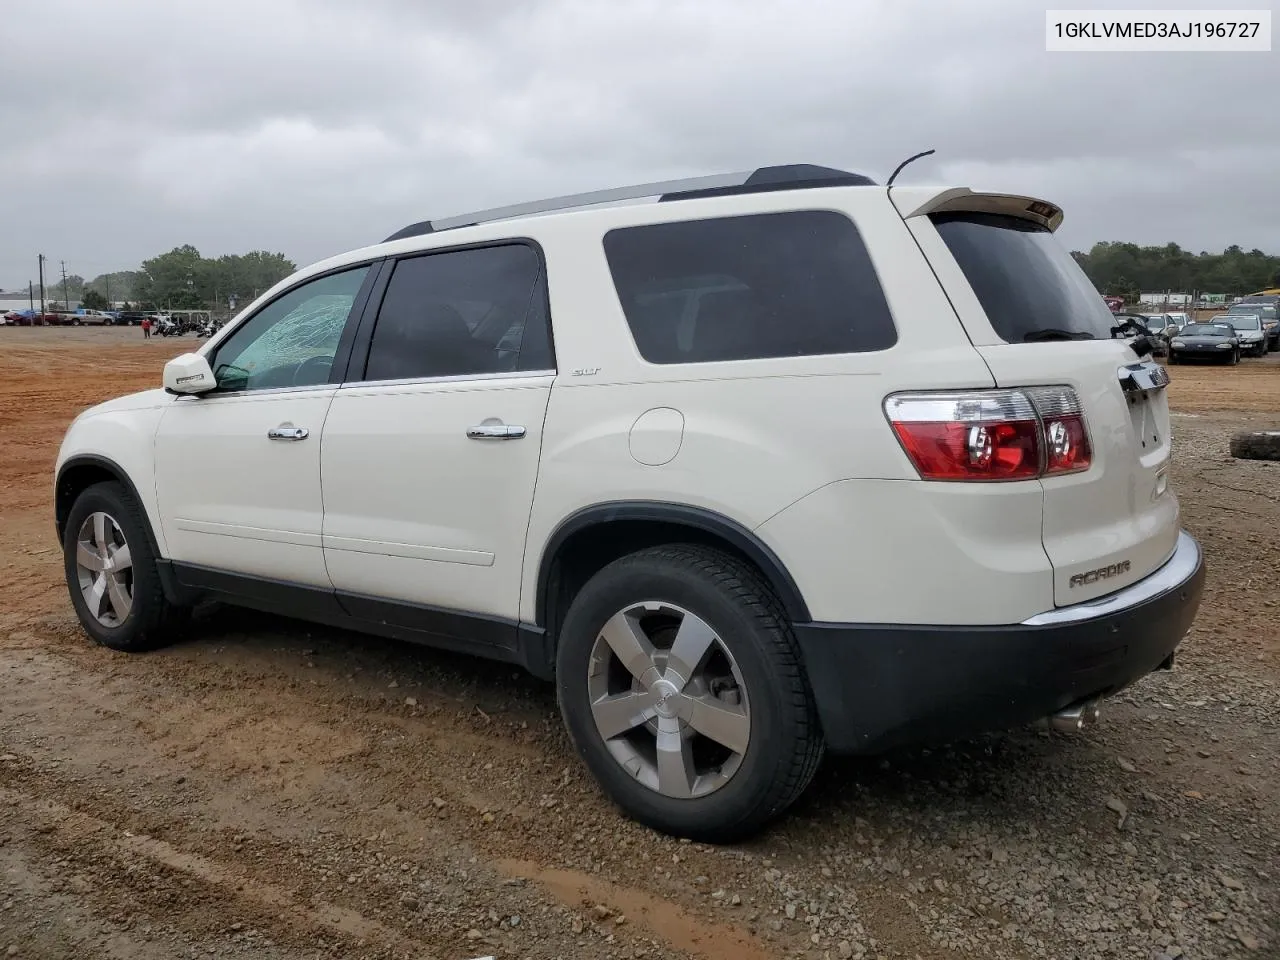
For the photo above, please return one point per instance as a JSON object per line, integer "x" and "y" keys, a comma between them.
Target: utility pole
{"x": 66, "y": 300}
{"x": 40, "y": 261}
{"x": 106, "y": 279}
{"x": 31, "y": 297}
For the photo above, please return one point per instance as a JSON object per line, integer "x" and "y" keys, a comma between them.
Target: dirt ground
{"x": 271, "y": 789}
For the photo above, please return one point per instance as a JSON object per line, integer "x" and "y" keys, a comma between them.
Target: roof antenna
{"x": 895, "y": 173}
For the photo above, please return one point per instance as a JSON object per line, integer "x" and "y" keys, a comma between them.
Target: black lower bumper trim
{"x": 880, "y": 686}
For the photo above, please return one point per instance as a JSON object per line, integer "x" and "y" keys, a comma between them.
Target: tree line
{"x": 1126, "y": 270}
{"x": 181, "y": 279}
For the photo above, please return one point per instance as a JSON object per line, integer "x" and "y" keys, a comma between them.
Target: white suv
{"x": 778, "y": 462}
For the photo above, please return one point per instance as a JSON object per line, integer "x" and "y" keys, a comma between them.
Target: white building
{"x": 11, "y": 301}
{"x": 1166, "y": 299}
{"x": 15, "y": 300}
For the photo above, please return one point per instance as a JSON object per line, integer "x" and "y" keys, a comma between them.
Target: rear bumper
{"x": 879, "y": 686}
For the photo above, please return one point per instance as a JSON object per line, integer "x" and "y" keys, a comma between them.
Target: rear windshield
{"x": 1029, "y": 285}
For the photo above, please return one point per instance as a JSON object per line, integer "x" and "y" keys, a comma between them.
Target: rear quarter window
{"x": 792, "y": 284}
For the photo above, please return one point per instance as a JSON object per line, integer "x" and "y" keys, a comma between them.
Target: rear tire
{"x": 109, "y": 564}
{"x": 748, "y": 678}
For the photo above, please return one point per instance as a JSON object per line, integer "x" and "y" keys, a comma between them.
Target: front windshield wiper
{"x": 1053, "y": 333}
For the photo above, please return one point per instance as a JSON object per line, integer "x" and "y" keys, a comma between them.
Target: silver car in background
{"x": 1250, "y": 331}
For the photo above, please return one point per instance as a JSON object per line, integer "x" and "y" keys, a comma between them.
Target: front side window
{"x": 462, "y": 313}
{"x": 291, "y": 341}
{"x": 793, "y": 284}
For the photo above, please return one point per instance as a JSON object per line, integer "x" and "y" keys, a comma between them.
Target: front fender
{"x": 122, "y": 442}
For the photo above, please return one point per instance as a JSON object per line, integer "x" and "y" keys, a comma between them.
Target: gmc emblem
{"x": 1102, "y": 573}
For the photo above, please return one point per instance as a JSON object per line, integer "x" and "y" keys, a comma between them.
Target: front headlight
{"x": 1177, "y": 343}
{"x": 1224, "y": 346}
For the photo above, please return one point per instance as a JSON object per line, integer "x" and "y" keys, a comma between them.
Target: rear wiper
{"x": 1053, "y": 333}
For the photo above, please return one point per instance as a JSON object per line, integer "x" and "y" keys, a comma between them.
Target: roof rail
{"x": 797, "y": 176}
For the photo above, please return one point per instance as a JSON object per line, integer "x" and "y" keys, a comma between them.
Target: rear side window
{"x": 1030, "y": 287}
{"x": 462, "y": 313}
{"x": 789, "y": 284}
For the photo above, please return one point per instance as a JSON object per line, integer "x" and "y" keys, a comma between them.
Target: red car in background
{"x": 1114, "y": 304}
{"x": 32, "y": 318}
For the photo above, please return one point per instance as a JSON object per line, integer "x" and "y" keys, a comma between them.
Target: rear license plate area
{"x": 1141, "y": 382}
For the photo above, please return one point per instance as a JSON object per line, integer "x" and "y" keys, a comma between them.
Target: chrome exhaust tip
{"x": 1075, "y": 718}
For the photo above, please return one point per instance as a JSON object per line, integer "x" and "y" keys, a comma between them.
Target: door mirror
{"x": 189, "y": 373}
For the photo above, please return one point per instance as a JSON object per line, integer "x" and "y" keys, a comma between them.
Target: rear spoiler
{"x": 922, "y": 201}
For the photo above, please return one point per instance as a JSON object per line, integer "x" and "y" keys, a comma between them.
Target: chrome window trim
{"x": 366, "y": 384}
{"x": 456, "y": 378}
{"x": 216, "y": 394}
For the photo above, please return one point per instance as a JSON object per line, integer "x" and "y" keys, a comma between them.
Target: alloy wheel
{"x": 668, "y": 700}
{"x": 104, "y": 569}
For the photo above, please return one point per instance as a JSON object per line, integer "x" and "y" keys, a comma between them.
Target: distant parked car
{"x": 1266, "y": 306}
{"x": 95, "y": 317}
{"x": 1205, "y": 341}
{"x": 130, "y": 318}
{"x": 1248, "y": 327}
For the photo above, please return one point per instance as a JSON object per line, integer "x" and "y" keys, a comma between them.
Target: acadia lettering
{"x": 1102, "y": 573}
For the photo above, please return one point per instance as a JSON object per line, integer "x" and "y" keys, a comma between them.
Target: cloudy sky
{"x": 313, "y": 126}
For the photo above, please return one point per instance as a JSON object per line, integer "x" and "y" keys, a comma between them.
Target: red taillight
{"x": 992, "y": 434}
{"x": 960, "y": 451}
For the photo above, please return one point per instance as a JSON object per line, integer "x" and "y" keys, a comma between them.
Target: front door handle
{"x": 495, "y": 431}
{"x": 287, "y": 432}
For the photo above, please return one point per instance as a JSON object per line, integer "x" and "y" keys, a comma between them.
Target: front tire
{"x": 682, "y": 687}
{"x": 111, "y": 572}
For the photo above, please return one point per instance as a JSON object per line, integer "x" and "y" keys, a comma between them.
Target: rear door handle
{"x": 495, "y": 431}
{"x": 287, "y": 432}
